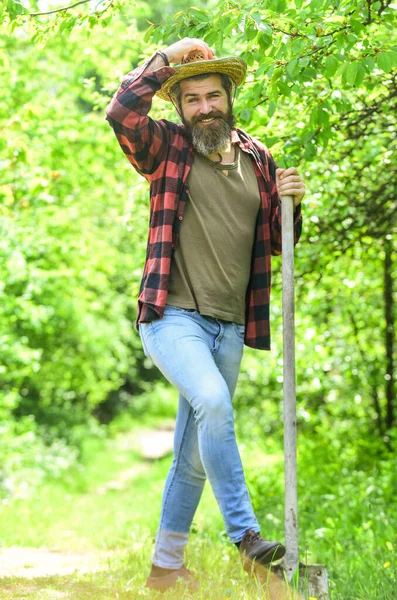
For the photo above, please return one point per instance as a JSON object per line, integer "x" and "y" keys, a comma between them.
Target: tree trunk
{"x": 389, "y": 332}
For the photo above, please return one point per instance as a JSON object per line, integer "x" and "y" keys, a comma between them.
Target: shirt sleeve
{"x": 144, "y": 141}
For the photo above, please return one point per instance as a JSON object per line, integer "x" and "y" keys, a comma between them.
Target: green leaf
{"x": 297, "y": 46}
{"x": 316, "y": 4}
{"x": 157, "y": 35}
{"x": 277, "y": 73}
{"x": 307, "y": 136}
{"x": 232, "y": 25}
{"x": 303, "y": 62}
{"x": 264, "y": 27}
{"x": 310, "y": 73}
{"x": 211, "y": 37}
{"x": 199, "y": 14}
{"x": 293, "y": 67}
{"x": 273, "y": 93}
{"x": 284, "y": 88}
{"x": 265, "y": 41}
{"x": 352, "y": 38}
{"x": 270, "y": 141}
{"x": 105, "y": 22}
{"x": 251, "y": 34}
{"x": 245, "y": 115}
{"x": 360, "y": 74}
{"x": 350, "y": 73}
{"x": 310, "y": 151}
{"x": 387, "y": 60}
{"x": 357, "y": 26}
{"x": 15, "y": 9}
{"x": 148, "y": 33}
{"x": 330, "y": 66}
{"x": 369, "y": 63}
{"x": 272, "y": 108}
{"x": 322, "y": 116}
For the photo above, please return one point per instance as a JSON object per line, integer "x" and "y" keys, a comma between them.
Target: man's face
{"x": 206, "y": 113}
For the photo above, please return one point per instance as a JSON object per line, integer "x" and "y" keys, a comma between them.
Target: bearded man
{"x": 215, "y": 221}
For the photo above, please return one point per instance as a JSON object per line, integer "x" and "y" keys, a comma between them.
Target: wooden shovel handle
{"x": 291, "y": 559}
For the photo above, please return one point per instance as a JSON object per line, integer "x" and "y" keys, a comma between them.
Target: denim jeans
{"x": 200, "y": 356}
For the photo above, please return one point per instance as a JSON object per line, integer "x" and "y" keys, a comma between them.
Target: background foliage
{"x": 321, "y": 93}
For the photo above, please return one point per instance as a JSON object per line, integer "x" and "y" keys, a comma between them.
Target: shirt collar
{"x": 235, "y": 137}
{"x": 239, "y": 137}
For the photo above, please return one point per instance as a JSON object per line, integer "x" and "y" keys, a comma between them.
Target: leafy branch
{"x": 16, "y": 11}
{"x": 57, "y": 10}
{"x": 383, "y": 6}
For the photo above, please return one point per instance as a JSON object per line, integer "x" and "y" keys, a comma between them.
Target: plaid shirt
{"x": 161, "y": 152}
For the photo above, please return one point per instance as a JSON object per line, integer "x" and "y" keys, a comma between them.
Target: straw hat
{"x": 194, "y": 64}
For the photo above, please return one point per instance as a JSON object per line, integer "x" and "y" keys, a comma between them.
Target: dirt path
{"x": 43, "y": 562}
{"x": 154, "y": 444}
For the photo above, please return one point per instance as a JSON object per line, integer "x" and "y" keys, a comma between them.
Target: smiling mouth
{"x": 208, "y": 120}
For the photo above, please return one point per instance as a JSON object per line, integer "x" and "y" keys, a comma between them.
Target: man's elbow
{"x": 109, "y": 119}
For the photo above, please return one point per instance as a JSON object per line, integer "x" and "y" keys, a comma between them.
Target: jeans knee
{"x": 215, "y": 409}
{"x": 189, "y": 463}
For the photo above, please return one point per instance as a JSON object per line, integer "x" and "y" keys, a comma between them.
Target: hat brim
{"x": 235, "y": 68}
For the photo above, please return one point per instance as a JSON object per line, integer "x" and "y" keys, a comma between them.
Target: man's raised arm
{"x": 144, "y": 141}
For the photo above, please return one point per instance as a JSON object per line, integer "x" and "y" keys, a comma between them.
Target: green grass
{"x": 344, "y": 523}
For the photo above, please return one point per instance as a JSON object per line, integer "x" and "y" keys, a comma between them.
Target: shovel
{"x": 313, "y": 579}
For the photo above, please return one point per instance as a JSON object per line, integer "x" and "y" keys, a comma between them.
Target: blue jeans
{"x": 200, "y": 356}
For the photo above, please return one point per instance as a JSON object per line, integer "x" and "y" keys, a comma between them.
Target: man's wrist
{"x": 158, "y": 60}
{"x": 163, "y": 55}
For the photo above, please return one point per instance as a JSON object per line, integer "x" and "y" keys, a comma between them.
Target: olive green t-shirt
{"x": 216, "y": 238}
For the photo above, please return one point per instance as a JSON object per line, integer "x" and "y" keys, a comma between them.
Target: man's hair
{"x": 227, "y": 84}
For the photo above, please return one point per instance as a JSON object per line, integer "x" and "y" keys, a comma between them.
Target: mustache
{"x": 212, "y": 115}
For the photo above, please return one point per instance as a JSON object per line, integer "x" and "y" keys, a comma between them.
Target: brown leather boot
{"x": 162, "y": 579}
{"x": 254, "y": 547}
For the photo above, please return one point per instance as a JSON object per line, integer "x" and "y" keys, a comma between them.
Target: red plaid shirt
{"x": 161, "y": 152}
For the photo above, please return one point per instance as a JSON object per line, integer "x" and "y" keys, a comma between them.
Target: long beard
{"x": 210, "y": 139}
